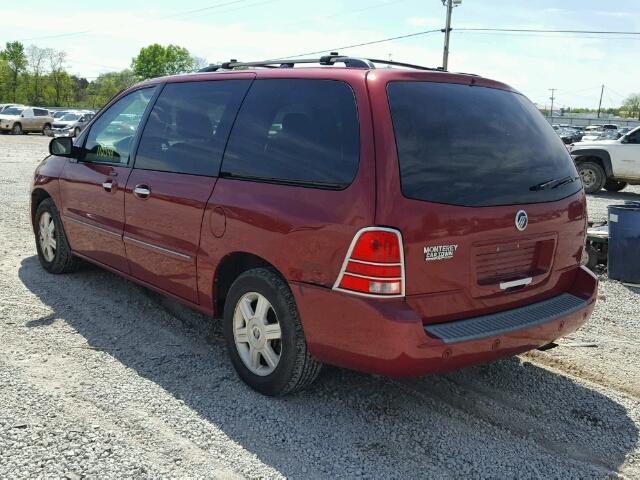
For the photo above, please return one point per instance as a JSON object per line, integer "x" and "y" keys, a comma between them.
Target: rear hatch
{"x": 488, "y": 201}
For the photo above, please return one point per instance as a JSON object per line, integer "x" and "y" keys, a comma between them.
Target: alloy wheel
{"x": 47, "y": 236}
{"x": 257, "y": 333}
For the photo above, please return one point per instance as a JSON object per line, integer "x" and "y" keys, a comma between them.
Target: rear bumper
{"x": 388, "y": 337}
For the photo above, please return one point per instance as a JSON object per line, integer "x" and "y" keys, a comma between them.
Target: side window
{"x": 634, "y": 137}
{"x": 40, "y": 113}
{"x": 296, "y": 131}
{"x": 28, "y": 113}
{"x": 189, "y": 126}
{"x": 111, "y": 136}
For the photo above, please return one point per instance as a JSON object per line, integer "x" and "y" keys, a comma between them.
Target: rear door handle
{"x": 515, "y": 283}
{"x": 142, "y": 191}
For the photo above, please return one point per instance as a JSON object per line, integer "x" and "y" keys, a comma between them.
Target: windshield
{"x": 12, "y": 111}
{"x": 70, "y": 117}
{"x": 475, "y": 146}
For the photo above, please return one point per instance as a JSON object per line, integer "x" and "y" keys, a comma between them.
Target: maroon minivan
{"x": 398, "y": 221}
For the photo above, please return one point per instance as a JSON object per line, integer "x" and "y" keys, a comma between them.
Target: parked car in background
{"x": 609, "y": 164}
{"x": 71, "y": 124}
{"x": 4, "y": 106}
{"x": 19, "y": 120}
{"x": 385, "y": 246}
{"x": 569, "y": 135}
{"x": 592, "y": 133}
{"x": 58, "y": 114}
{"x": 623, "y": 131}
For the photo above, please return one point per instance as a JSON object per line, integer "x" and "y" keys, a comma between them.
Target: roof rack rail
{"x": 331, "y": 59}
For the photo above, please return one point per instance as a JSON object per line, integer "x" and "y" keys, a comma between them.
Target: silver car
{"x": 71, "y": 124}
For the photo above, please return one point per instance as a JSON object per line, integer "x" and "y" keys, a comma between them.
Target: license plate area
{"x": 511, "y": 264}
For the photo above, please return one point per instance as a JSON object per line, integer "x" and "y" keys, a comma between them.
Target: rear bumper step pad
{"x": 508, "y": 321}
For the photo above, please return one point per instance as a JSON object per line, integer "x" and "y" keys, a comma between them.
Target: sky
{"x": 105, "y": 36}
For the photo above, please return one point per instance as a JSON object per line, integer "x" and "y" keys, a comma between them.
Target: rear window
{"x": 298, "y": 132}
{"x": 475, "y": 146}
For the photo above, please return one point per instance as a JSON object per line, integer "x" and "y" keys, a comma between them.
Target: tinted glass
{"x": 634, "y": 136}
{"x": 189, "y": 125}
{"x": 475, "y": 146}
{"x": 111, "y": 136}
{"x": 296, "y": 131}
{"x": 12, "y": 111}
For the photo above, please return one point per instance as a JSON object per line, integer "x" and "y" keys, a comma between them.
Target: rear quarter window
{"x": 475, "y": 146}
{"x": 300, "y": 132}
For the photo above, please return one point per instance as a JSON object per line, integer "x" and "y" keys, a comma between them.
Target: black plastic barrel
{"x": 624, "y": 242}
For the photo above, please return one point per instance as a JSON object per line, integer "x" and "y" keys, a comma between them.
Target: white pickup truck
{"x": 608, "y": 164}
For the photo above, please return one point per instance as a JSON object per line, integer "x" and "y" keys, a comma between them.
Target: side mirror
{"x": 22, "y": 115}
{"x": 61, "y": 146}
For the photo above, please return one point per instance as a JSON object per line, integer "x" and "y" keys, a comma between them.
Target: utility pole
{"x": 600, "y": 102}
{"x": 447, "y": 30}
{"x": 552, "y": 98}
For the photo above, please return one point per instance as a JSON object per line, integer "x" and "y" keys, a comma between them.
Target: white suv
{"x": 609, "y": 164}
{"x": 20, "y": 119}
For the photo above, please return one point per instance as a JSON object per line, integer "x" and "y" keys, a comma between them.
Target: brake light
{"x": 374, "y": 265}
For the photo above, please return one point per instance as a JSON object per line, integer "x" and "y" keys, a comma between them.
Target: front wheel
{"x": 76, "y": 132}
{"x": 614, "y": 186}
{"x": 17, "y": 129}
{"x": 592, "y": 176}
{"x": 53, "y": 249}
{"x": 264, "y": 335}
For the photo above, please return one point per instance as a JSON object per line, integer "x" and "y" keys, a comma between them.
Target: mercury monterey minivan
{"x": 398, "y": 221}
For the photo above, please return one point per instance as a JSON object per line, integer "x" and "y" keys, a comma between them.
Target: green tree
{"x": 58, "y": 76}
{"x": 632, "y": 105}
{"x": 106, "y": 86}
{"x": 36, "y": 61}
{"x": 16, "y": 61}
{"x": 157, "y": 61}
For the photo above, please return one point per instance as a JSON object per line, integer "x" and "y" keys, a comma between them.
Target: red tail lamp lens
{"x": 377, "y": 246}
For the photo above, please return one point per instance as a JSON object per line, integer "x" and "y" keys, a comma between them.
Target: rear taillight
{"x": 374, "y": 265}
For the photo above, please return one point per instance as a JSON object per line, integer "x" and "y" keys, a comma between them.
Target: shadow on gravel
{"x": 506, "y": 419}
{"x": 615, "y": 195}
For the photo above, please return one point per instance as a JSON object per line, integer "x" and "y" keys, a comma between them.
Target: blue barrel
{"x": 624, "y": 242}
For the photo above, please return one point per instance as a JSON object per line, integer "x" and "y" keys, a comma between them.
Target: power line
{"x": 382, "y": 40}
{"x": 538, "y": 30}
{"x": 211, "y": 7}
{"x": 53, "y": 36}
{"x": 178, "y": 14}
{"x": 464, "y": 29}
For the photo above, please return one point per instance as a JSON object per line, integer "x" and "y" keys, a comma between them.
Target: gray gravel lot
{"x": 100, "y": 378}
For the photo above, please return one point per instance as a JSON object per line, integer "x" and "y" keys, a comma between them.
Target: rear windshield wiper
{"x": 555, "y": 183}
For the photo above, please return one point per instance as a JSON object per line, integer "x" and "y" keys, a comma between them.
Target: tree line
{"x": 39, "y": 76}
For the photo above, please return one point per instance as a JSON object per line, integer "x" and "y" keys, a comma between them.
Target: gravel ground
{"x": 102, "y": 378}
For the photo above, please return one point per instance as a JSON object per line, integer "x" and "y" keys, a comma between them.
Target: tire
{"x": 46, "y": 130}
{"x": 76, "y": 132}
{"x": 294, "y": 369}
{"x": 590, "y": 257}
{"x": 614, "y": 186}
{"x": 592, "y": 176}
{"x": 54, "y": 258}
{"x": 17, "y": 129}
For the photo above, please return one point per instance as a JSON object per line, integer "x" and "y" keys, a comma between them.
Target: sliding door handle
{"x": 142, "y": 191}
